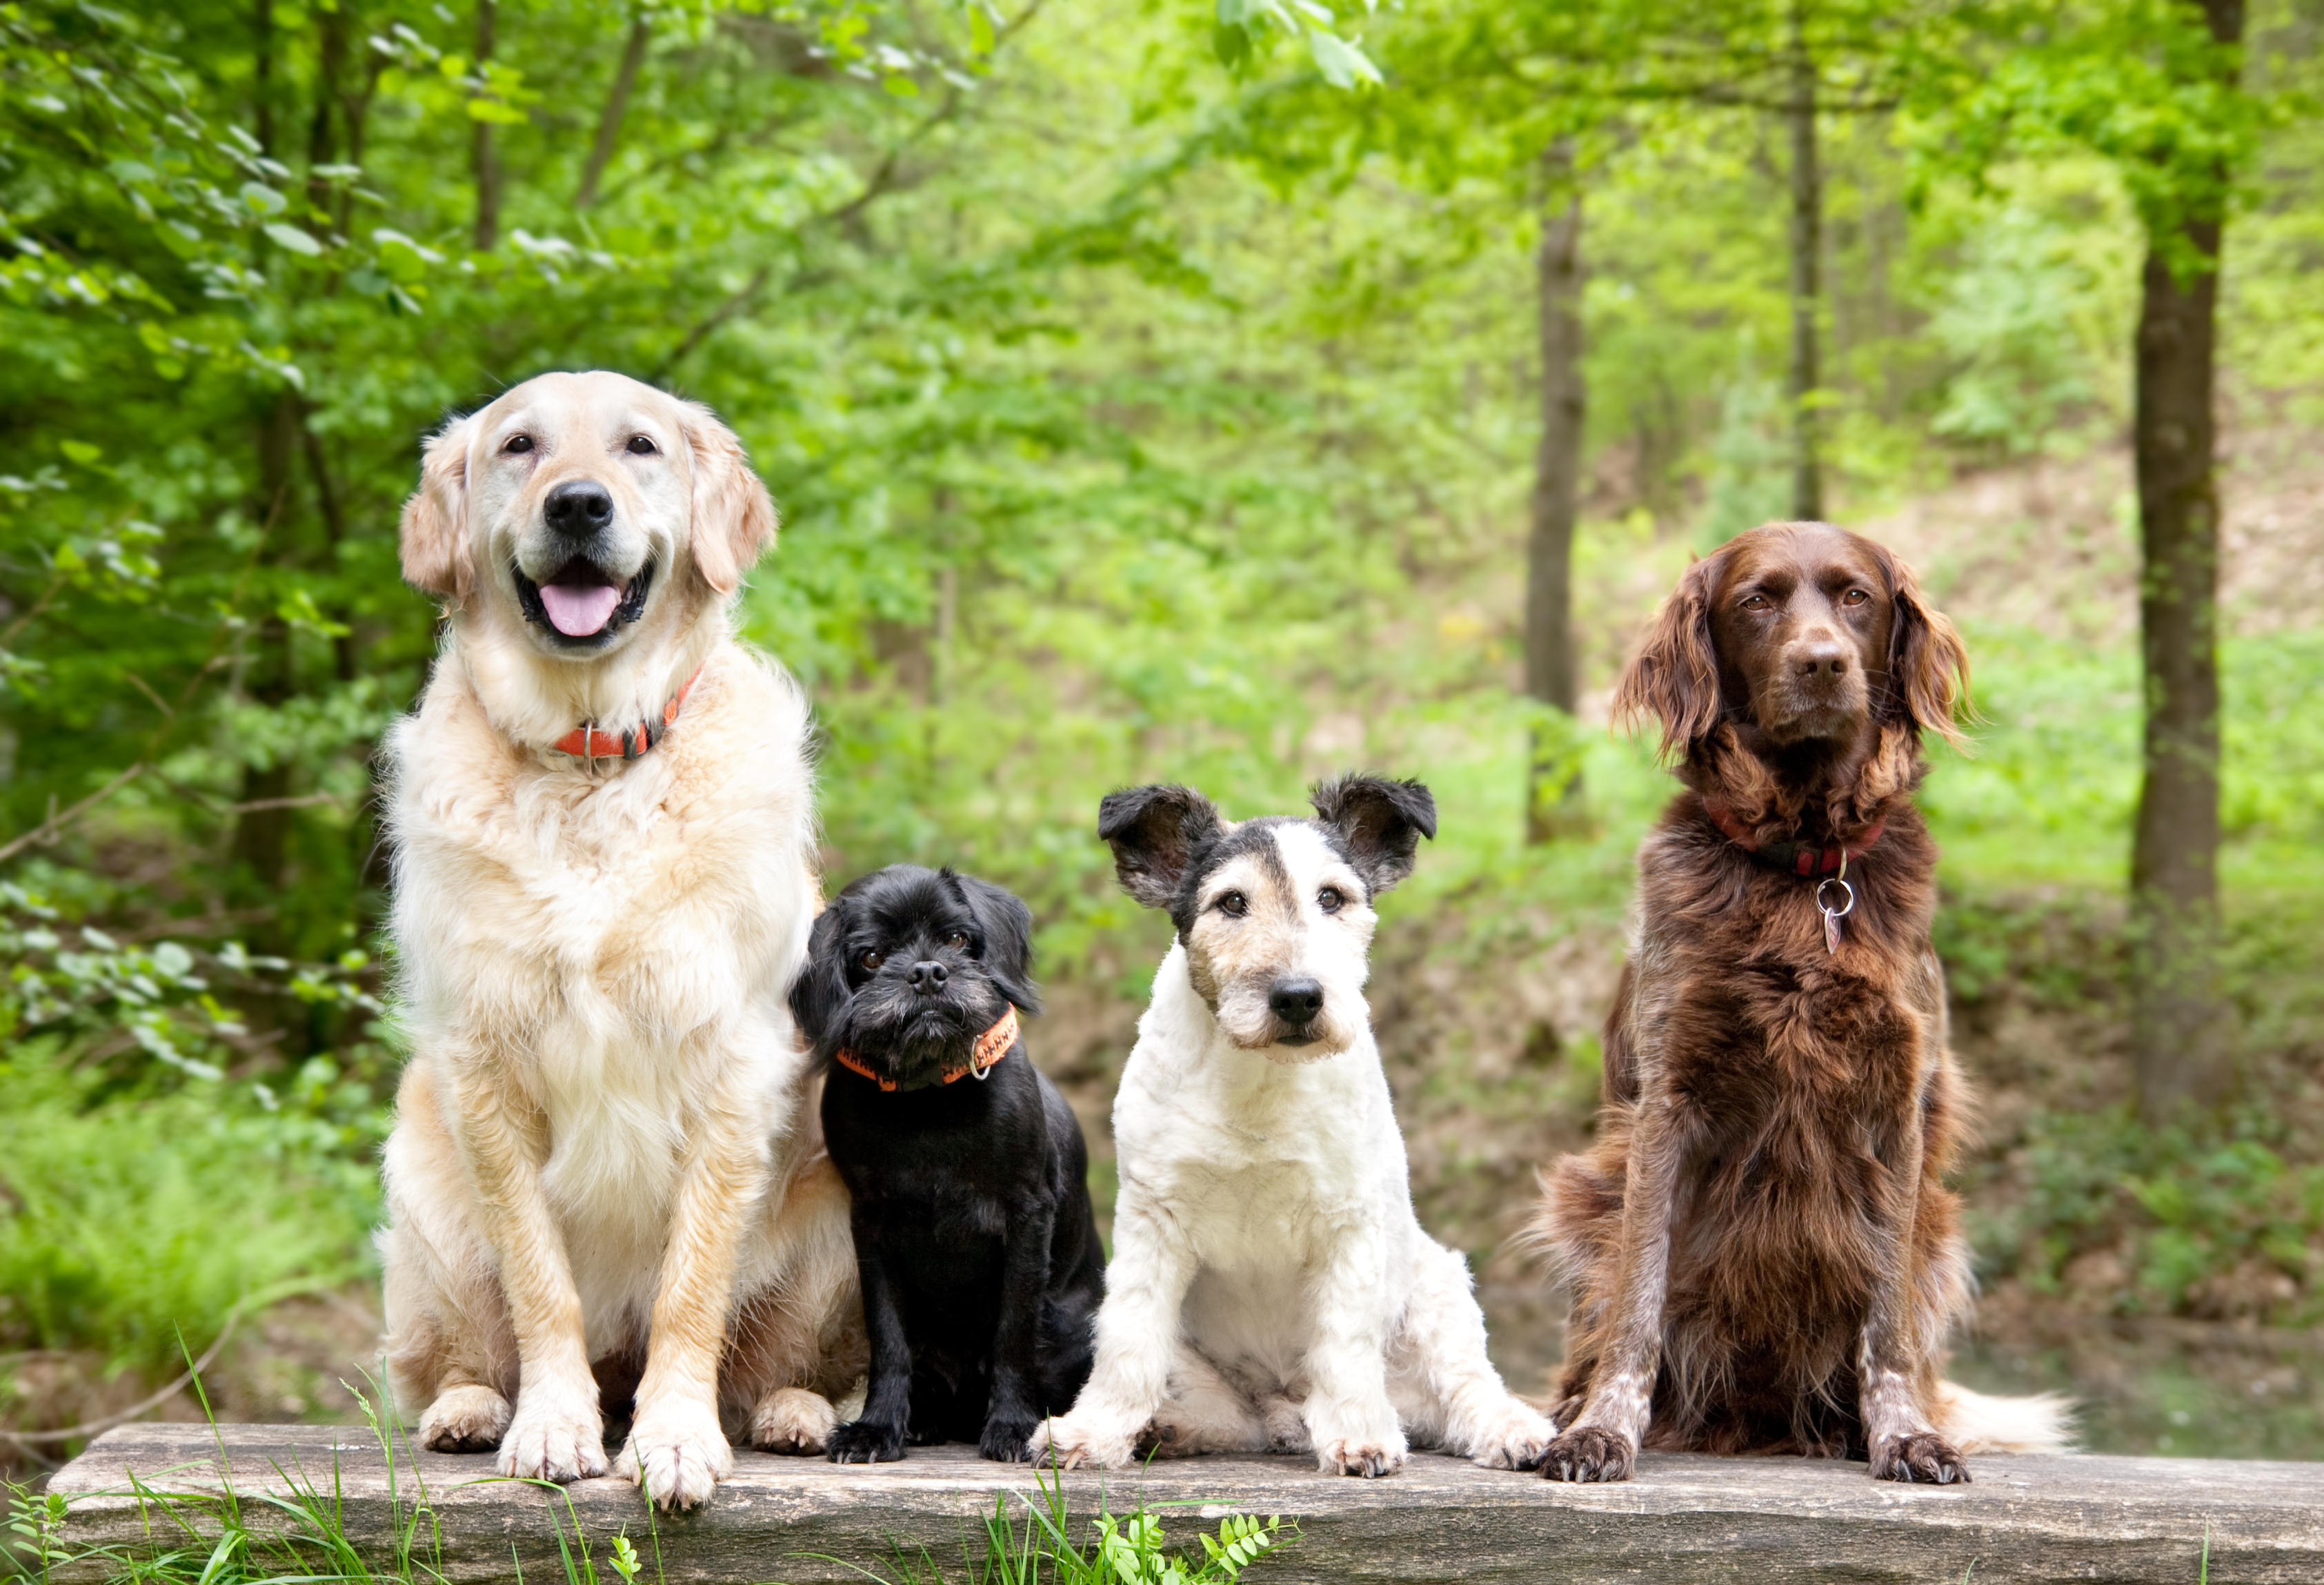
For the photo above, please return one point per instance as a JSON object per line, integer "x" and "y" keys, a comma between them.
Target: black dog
{"x": 973, "y": 1229}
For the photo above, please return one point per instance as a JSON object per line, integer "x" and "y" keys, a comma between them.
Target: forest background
{"x": 1152, "y": 392}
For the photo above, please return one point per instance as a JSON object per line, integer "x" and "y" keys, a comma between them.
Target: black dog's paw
{"x": 1924, "y": 1456}
{"x": 860, "y": 1441}
{"x": 1006, "y": 1438}
{"x": 1587, "y": 1454}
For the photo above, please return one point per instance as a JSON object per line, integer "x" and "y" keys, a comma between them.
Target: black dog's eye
{"x": 518, "y": 444}
{"x": 957, "y": 941}
{"x": 1233, "y": 904}
{"x": 1329, "y": 899}
{"x": 640, "y": 446}
{"x": 873, "y": 960}
{"x": 1854, "y": 597}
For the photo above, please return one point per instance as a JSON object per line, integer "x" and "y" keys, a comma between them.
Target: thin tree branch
{"x": 51, "y": 828}
{"x": 617, "y": 103}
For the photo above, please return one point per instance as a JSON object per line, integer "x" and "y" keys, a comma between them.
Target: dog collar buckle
{"x": 1832, "y": 916}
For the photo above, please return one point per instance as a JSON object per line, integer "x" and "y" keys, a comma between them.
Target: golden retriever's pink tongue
{"x": 579, "y": 611}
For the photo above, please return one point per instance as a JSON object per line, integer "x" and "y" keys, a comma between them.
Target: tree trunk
{"x": 261, "y": 854}
{"x": 1553, "y": 800}
{"x": 617, "y": 103}
{"x": 2177, "y": 1013}
{"x": 488, "y": 159}
{"x": 1801, "y": 386}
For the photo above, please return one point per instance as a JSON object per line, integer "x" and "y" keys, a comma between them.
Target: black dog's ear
{"x": 1155, "y": 831}
{"x": 1008, "y": 927}
{"x": 1379, "y": 822}
{"x": 819, "y": 996}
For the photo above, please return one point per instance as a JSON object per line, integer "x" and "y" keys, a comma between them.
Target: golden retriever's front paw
{"x": 793, "y": 1420}
{"x": 1074, "y": 1443}
{"x": 677, "y": 1451}
{"x": 1366, "y": 1458}
{"x": 561, "y": 1440}
{"x": 1514, "y": 1440}
{"x": 469, "y": 1419}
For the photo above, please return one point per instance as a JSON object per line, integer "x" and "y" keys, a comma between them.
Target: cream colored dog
{"x": 604, "y": 1154}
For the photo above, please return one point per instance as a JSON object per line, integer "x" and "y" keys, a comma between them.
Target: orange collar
{"x": 586, "y": 742}
{"x": 990, "y": 1047}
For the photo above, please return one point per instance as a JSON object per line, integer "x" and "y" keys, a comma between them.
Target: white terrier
{"x": 1271, "y": 1288}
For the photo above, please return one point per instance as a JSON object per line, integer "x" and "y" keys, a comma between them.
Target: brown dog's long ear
{"x": 1154, "y": 832}
{"x": 434, "y": 536}
{"x": 1378, "y": 822}
{"x": 1674, "y": 677}
{"x": 1927, "y": 665}
{"x": 734, "y": 515}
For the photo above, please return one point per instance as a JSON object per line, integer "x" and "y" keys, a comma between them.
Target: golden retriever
{"x": 606, "y": 1166}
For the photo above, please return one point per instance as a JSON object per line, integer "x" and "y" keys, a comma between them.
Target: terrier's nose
{"x": 1296, "y": 1001}
{"x": 579, "y": 506}
{"x": 928, "y": 979}
{"x": 1822, "y": 657}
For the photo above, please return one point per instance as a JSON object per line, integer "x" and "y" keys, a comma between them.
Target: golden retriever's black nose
{"x": 577, "y": 507}
{"x": 928, "y": 979}
{"x": 1296, "y": 1001}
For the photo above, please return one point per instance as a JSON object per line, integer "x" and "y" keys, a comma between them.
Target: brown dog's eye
{"x": 1234, "y": 905}
{"x": 873, "y": 960}
{"x": 1854, "y": 597}
{"x": 641, "y": 447}
{"x": 1756, "y": 603}
{"x": 957, "y": 941}
{"x": 1329, "y": 899}
{"x": 518, "y": 444}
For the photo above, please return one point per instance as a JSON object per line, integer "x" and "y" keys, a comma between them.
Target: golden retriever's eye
{"x": 957, "y": 941}
{"x": 1233, "y": 904}
{"x": 873, "y": 960}
{"x": 1854, "y": 597}
{"x": 518, "y": 444}
{"x": 1330, "y": 899}
{"x": 640, "y": 446}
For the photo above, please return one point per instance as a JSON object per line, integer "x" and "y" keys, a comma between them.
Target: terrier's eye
{"x": 957, "y": 941}
{"x": 1234, "y": 905}
{"x": 1329, "y": 899}
{"x": 873, "y": 960}
{"x": 1854, "y": 597}
{"x": 518, "y": 444}
{"x": 641, "y": 447}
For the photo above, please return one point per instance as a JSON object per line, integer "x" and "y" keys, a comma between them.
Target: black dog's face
{"x": 909, "y": 965}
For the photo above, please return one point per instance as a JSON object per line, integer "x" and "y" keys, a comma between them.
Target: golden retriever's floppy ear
{"x": 434, "y": 538}
{"x": 734, "y": 515}
{"x": 1674, "y": 677}
{"x": 1927, "y": 665}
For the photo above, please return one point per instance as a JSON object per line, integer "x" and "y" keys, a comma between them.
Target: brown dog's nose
{"x": 1822, "y": 657}
{"x": 929, "y": 978}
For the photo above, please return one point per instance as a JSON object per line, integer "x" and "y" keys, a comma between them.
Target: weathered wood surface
{"x": 1682, "y": 1519}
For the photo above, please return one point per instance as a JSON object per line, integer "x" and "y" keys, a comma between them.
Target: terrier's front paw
{"x": 1008, "y": 1438}
{"x": 866, "y": 1442}
{"x": 793, "y": 1420}
{"x": 562, "y": 1440}
{"x": 1515, "y": 1439}
{"x": 1353, "y": 1456}
{"x": 1589, "y": 1453}
{"x": 469, "y": 1419}
{"x": 1922, "y": 1456}
{"x": 1072, "y": 1442}
{"x": 677, "y": 1451}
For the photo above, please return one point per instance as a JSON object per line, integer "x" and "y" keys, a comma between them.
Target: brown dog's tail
{"x": 1976, "y": 1423}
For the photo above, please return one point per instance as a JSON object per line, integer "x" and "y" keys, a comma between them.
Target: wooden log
{"x": 1681, "y": 1519}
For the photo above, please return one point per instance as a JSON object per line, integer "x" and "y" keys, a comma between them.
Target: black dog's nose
{"x": 577, "y": 507}
{"x": 1296, "y": 1001}
{"x": 928, "y": 979}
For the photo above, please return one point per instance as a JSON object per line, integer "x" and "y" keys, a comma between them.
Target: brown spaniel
{"x": 1762, "y": 1253}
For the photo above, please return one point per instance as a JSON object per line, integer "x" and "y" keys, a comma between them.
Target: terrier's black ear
{"x": 1155, "y": 831}
{"x": 819, "y": 996}
{"x": 1008, "y": 928}
{"x": 1378, "y": 822}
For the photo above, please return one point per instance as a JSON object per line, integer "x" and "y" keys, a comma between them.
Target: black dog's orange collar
{"x": 990, "y": 1047}
{"x": 1799, "y": 858}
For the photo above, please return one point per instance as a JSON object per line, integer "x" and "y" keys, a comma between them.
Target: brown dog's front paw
{"x": 1924, "y": 1456}
{"x": 1587, "y": 1454}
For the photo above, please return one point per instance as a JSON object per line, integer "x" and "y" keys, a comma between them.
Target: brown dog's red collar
{"x": 586, "y": 742}
{"x": 990, "y": 1047}
{"x": 1799, "y": 858}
